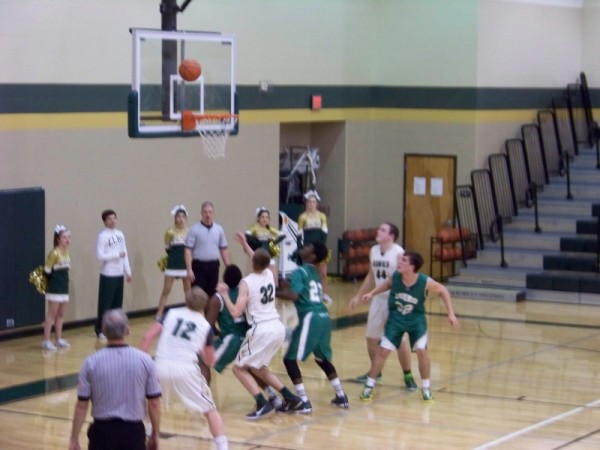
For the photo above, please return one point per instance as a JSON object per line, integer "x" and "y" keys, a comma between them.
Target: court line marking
{"x": 535, "y": 426}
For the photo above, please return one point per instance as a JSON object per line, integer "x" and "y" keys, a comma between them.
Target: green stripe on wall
{"x": 55, "y": 98}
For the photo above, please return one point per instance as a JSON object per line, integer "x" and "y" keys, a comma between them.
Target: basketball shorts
{"x": 311, "y": 335}
{"x": 417, "y": 335}
{"x": 226, "y": 349}
{"x": 378, "y": 314}
{"x": 263, "y": 340}
{"x": 184, "y": 382}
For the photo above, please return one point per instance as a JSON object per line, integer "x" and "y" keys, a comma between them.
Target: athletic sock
{"x": 337, "y": 386}
{"x": 301, "y": 392}
{"x": 286, "y": 393}
{"x": 221, "y": 442}
{"x": 370, "y": 382}
{"x": 260, "y": 401}
{"x": 270, "y": 392}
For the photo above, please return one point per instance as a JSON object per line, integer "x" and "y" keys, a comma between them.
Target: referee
{"x": 121, "y": 382}
{"x": 204, "y": 245}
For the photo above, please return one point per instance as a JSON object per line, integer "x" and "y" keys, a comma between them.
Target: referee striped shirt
{"x": 118, "y": 380}
{"x": 206, "y": 242}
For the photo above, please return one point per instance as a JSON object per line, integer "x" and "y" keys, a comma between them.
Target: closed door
{"x": 429, "y": 184}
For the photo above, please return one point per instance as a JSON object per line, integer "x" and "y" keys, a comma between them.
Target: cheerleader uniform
{"x": 57, "y": 268}
{"x": 260, "y": 237}
{"x": 175, "y": 246}
{"x": 312, "y": 228}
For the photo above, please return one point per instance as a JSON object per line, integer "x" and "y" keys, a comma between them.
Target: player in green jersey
{"x": 313, "y": 332}
{"x": 406, "y": 302}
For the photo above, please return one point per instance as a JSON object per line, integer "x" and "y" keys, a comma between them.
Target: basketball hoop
{"x": 213, "y": 129}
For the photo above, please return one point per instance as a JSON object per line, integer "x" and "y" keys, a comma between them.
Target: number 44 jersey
{"x": 184, "y": 335}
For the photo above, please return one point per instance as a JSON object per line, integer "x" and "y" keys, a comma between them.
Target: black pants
{"x": 206, "y": 274}
{"x": 110, "y": 296}
{"x": 116, "y": 434}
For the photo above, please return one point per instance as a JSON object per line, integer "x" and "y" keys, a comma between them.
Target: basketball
{"x": 190, "y": 69}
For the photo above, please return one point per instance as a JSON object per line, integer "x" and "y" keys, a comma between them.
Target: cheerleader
{"x": 262, "y": 234}
{"x": 312, "y": 226}
{"x": 56, "y": 268}
{"x": 175, "y": 248}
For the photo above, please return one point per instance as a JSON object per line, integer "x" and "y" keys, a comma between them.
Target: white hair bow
{"x": 312, "y": 193}
{"x": 59, "y": 229}
{"x": 178, "y": 208}
{"x": 260, "y": 210}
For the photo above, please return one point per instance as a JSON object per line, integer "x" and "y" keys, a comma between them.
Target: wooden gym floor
{"x": 515, "y": 376}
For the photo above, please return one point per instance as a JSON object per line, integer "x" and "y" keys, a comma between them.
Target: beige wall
{"x": 425, "y": 43}
{"x": 529, "y": 44}
{"x": 335, "y": 42}
{"x": 590, "y": 62}
{"x": 86, "y": 171}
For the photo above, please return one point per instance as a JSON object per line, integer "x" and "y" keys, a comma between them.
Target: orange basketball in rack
{"x": 190, "y": 69}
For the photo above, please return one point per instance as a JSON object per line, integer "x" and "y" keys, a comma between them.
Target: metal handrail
{"x": 596, "y": 133}
{"x": 565, "y": 169}
{"x": 531, "y": 196}
{"x": 598, "y": 245}
{"x": 497, "y": 232}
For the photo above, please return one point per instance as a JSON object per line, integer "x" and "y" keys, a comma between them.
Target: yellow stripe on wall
{"x": 119, "y": 119}
{"x": 62, "y": 121}
{"x": 387, "y": 114}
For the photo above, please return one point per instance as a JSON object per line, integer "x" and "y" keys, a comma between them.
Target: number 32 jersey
{"x": 407, "y": 303}
{"x": 185, "y": 333}
{"x": 261, "y": 297}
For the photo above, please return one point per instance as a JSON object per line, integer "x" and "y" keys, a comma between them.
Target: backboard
{"x": 159, "y": 95}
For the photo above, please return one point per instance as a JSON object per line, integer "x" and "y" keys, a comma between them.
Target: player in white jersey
{"x": 256, "y": 298}
{"x": 383, "y": 259}
{"x": 186, "y": 335}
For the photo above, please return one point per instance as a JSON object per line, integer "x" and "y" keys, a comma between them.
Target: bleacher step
{"x": 526, "y": 222}
{"x": 504, "y": 293}
{"x": 514, "y": 257}
{"x": 575, "y": 207}
{"x": 493, "y": 276}
{"x": 582, "y": 298}
{"x": 588, "y": 191}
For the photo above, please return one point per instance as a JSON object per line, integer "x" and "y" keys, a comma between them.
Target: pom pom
{"x": 274, "y": 249}
{"x": 162, "y": 262}
{"x": 39, "y": 279}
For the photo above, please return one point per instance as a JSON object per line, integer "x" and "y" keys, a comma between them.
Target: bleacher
{"x": 536, "y": 209}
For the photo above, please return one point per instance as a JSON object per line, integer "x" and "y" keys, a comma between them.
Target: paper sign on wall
{"x": 437, "y": 187}
{"x": 420, "y": 186}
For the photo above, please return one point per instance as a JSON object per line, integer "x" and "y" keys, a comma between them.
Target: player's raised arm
{"x": 235, "y": 309}
{"x": 442, "y": 291}
{"x": 366, "y": 285}
{"x": 385, "y": 286}
{"x": 241, "y": 238}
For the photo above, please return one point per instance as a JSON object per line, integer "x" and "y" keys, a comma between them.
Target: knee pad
{"x": 293, "y": 371}
{"x": 326, "y": 366}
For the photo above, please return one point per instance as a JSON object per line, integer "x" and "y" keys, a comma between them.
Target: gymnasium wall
{"x": 397, "y": 76}
{"x": 590, "y": 62}
{"x": 524, "y": 44}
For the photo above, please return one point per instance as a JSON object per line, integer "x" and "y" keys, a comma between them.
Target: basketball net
{"x": 214, "y": 131}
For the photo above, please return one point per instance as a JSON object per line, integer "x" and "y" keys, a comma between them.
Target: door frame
{"x": 406, "y": 186}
